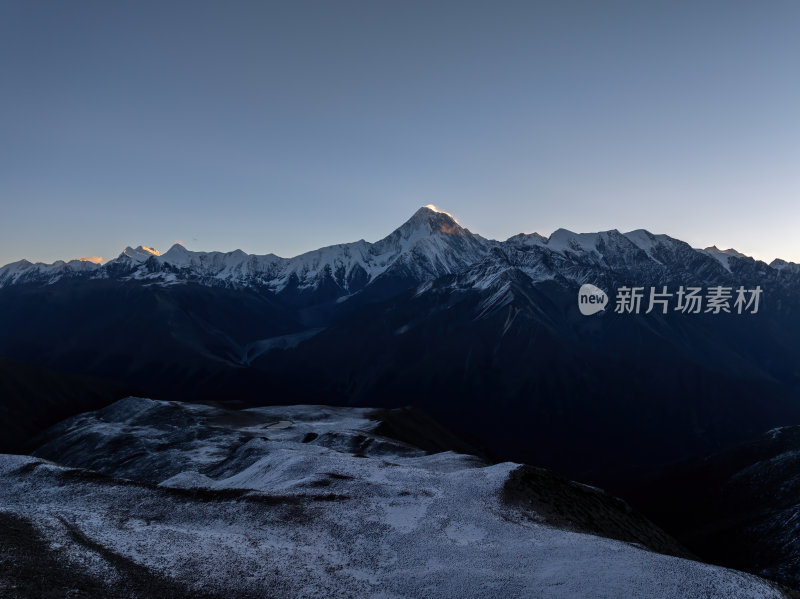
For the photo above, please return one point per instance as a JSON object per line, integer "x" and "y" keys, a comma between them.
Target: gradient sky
{"x": 281, "y": 127}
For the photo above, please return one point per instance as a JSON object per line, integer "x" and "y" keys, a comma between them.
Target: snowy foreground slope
{"x": 168, "y": 499}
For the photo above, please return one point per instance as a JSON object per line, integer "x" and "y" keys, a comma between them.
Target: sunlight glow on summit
{"x": 435, "y": 209}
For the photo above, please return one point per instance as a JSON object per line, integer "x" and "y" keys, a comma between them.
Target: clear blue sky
{"x": 281, "y": 127}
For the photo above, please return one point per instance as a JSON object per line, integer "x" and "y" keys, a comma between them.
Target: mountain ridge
{"x": 429, "y": 244}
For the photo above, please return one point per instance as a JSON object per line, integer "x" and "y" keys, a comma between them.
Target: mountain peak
{"x": 430, "y": 219}
{"x": 527, "y": 239}
{"x": 432, "y": 208}
{"x": 177, "y": 255}
{"x": 730, "y": 252}
{"x": 779, "y": 264}
{"x": 177, "y": 247}
{"x": 140, "y": 253}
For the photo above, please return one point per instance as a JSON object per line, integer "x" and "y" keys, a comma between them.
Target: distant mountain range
{"x": 430, "y": 244}
{"x": 485, "y": 335}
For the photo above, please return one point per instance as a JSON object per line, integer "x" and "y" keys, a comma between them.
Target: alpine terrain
{"x": 486, "y": 337}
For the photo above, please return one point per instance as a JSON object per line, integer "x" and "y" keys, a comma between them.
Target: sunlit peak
{"x": 435, "y": 209}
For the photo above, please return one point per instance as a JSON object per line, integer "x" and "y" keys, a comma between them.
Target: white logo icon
{"x": 591, "y": 299}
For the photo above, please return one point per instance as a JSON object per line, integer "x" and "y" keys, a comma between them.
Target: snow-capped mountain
{"x": 24, "y": 271}
{"x": 139, "y": 254}
{"x": 429, "y": 245}
{"x": 215, "y": 312}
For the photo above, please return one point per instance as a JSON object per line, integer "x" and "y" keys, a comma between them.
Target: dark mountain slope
{"x": 183, "y": 340}
{"x": 513, "y": 366}
{"x": 739, "y": 507}
{"x": 33, "y": 398}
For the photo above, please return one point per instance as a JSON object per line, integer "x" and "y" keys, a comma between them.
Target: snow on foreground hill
{"x": 168, "y": 499}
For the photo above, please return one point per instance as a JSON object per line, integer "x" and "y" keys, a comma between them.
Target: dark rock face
{"x": 574, "y": 506}
{"x": 739, "y": 507}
